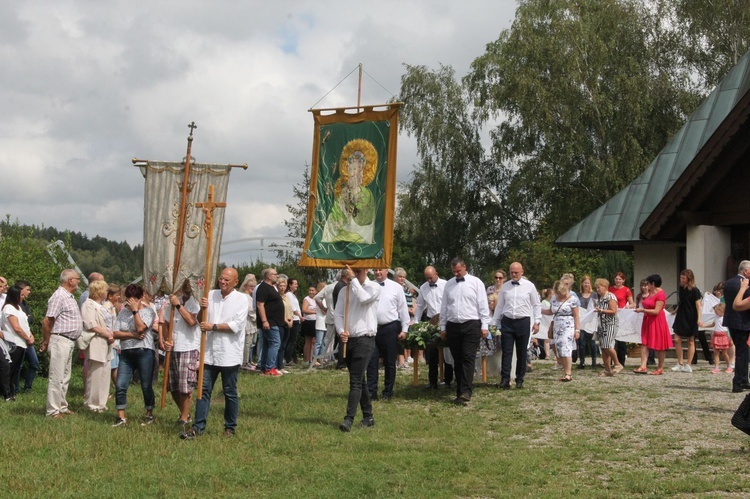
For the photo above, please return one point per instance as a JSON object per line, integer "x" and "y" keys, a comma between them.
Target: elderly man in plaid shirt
{"x": 61, "y": 327}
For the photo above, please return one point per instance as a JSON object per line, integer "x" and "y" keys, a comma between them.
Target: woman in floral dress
{"x": 567, "y": 329}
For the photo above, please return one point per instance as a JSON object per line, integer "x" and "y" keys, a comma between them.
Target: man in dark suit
{"x": 738, "y": 323}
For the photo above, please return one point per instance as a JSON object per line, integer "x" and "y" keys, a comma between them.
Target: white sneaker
{"x": 409, "y": 360}
{"x": 677, "y": 368}
{"x": 687, "y": 369}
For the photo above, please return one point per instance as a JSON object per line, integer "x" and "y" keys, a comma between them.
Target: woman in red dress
{"x": 655, "y": 333}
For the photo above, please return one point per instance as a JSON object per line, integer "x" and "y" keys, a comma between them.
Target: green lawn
{"x": 625, "y": 436}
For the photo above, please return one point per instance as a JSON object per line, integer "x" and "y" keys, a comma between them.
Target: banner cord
{"x": 347, "y": 76}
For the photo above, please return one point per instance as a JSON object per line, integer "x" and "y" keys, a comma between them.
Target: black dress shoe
{"x": 431, "y": 387}
{"x": 519, "y": 384}
{"x": 385, "y": 398}
{"x": 367, "y": 422}
{"x": 346, "y": 426}
{"x": 504, "y": 384}
{"x": 462, "y": 399}
{"x": 581, "y": 366}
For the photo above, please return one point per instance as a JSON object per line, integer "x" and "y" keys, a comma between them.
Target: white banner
{"x": 629, "y": 330}
{"x": 163, "y": 193}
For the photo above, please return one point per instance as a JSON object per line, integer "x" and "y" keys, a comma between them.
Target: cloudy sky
{"x": 85, "y": 86}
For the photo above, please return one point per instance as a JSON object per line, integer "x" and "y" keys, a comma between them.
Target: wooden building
{"x": 691, "y": 207}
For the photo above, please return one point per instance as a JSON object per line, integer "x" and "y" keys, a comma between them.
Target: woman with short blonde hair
{"x": 567, "y": 329}
{"x": 96, "y": 343}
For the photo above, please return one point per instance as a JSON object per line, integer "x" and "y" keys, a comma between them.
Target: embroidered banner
{"x": 163, "y": 193}
{"x": 352, "y": 201}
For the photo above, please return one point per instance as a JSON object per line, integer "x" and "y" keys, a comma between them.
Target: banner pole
{"x": 177, "y": 257}
{"x": 346, "y": 319}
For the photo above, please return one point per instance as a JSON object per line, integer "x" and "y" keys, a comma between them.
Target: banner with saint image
{"x": 352, "y": 198}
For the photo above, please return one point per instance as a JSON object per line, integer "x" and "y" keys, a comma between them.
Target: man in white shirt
{"x": 185, "y": 348}
{"x": 429, "y": 301}
{"x": 517, "y": 305}
{"x": 393, "y": 324}
{"x": 464, "y": 321}
{"x": 357, "y": 325}
{"x": 224, "y": 326}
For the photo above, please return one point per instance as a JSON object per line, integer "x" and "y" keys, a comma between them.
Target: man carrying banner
{"x": 224, "y": 327}
{"x": 357, "y": 323}
{"x": 185, "y": 345}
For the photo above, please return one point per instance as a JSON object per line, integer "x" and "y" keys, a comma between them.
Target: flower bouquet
{"x": 422, "y": 335}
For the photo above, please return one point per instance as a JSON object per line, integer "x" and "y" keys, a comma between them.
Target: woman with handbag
{"x": 567, "y": 329}
{"x": 96, "y": 342}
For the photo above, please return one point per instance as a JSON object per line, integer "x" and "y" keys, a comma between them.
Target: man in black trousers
{"x": 464, "y": 321}
{"x": 738, "y": 323}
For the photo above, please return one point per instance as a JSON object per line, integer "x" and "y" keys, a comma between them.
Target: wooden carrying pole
{"x": 177, "y": 257}
{"x": 415, "y": 364}
{"x": 441, "y": 362}
{"x": 484, "y": 369}
{"x": 208, "y": 226}
{"x": 346, "y": 319}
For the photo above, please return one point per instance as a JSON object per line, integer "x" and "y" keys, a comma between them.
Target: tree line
{"x": 577, "y": 98}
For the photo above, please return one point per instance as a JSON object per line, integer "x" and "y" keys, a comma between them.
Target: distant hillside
{"x": 116, "y": 260}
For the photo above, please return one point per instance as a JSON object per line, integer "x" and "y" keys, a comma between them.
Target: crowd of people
{"x": 355, "y": 322}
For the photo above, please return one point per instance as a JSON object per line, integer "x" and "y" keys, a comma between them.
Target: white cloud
{"x": 86, "y": 86}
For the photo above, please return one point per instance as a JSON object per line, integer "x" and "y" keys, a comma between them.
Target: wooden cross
{"x": 208, "y": 208}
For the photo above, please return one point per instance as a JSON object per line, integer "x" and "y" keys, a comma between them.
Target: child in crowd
{"x": 720, "y": 340}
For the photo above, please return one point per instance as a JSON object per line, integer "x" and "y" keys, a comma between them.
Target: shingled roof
{"x": 617, "y": 223}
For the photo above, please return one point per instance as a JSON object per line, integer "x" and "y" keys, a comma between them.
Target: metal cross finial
{"x": 192, "y": 126}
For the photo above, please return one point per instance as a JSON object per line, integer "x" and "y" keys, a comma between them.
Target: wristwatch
{"x": 213, "y": 328}
{"x": 178, "y": 306}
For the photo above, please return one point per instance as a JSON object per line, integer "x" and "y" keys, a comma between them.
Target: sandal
{"x": 606, "y": 374}
{"x": 566, "y": 378}
{"x": 640, "y": 370}
{"x": 617, "y": 369}
{"x": 658, "y": 372}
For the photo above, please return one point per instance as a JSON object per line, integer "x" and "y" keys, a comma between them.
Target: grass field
{"x": 616, "y": 437}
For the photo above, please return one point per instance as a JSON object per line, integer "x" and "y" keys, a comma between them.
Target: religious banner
{"x": 163, "y": 194}
{"x": 352, "y": 198}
